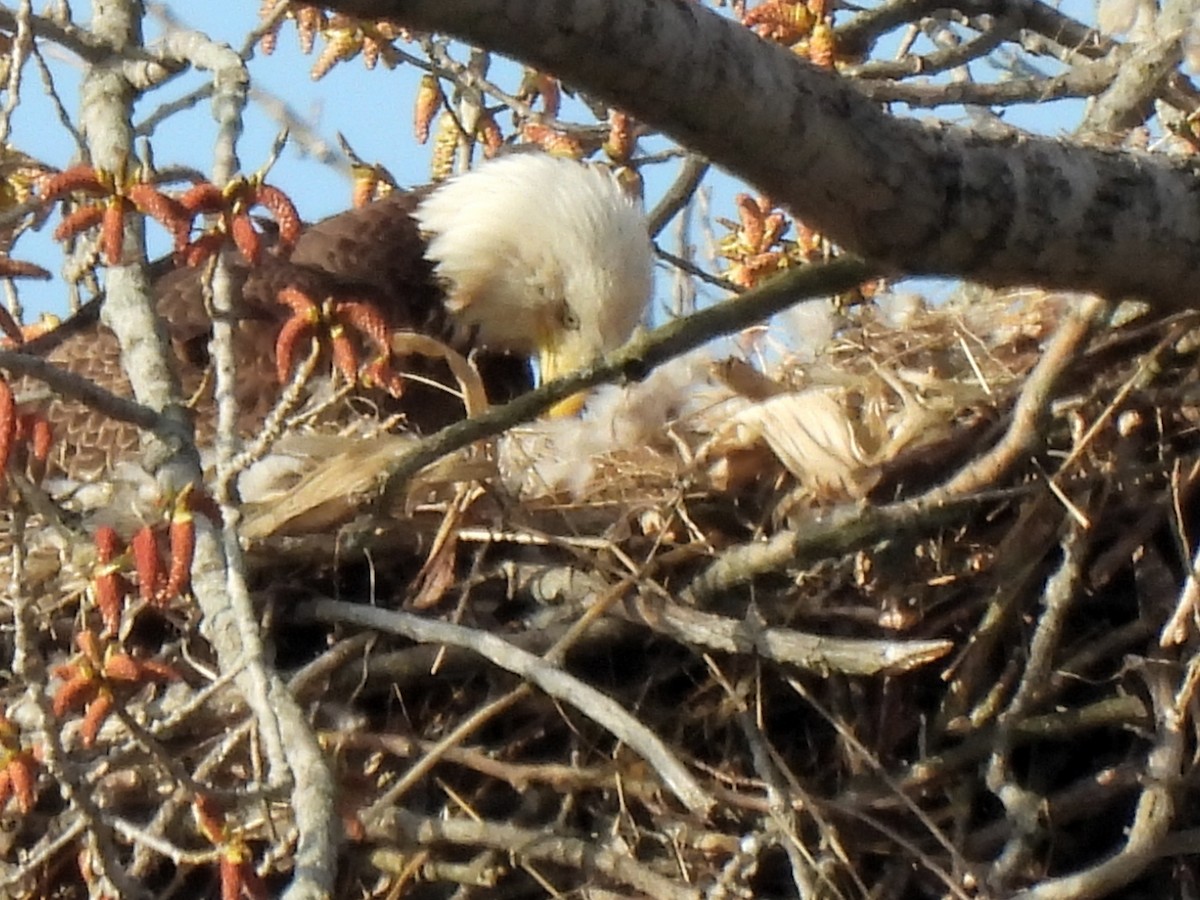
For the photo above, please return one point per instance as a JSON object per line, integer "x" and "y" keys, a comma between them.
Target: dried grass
{"x": 828, "y": 677}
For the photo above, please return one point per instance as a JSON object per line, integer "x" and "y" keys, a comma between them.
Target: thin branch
{"x": 615, "y": 862}
{"x": 550, "y": 678}
{"x": 832, "y": 534}
{"x": 68, "y": 384}
{"x": 1155, "y": 811}
{"x": 224, "y": 595}
{"x": 637, "y": 358}
{"x": 818, "y": 653}
{"x": 678, "y": 195}
{"x": 1082, "y": 81}
{"x": 1024, "y": 433}
{"x": 22, "y": 45}
{"x": 858, "y": 36}
{"x": 939, "y": 60}
{"x": 87, "y": 44}
{"x": 1023, "y": 805}
{"x": 690, "y": 268}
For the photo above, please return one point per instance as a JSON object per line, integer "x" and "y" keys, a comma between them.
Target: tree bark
{"x": 915, "y": 197}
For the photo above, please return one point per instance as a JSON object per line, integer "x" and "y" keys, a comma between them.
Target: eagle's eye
{"x": 570, "y": 321}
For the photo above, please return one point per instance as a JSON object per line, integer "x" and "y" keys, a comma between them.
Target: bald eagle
{"x": 525, "y": 257}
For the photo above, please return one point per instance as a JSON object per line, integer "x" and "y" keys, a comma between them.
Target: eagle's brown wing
{"x": 373, "y": 254}
{"x": 86, "y": 442}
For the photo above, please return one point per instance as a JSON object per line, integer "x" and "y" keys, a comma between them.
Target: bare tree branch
{"x": 1127, "y": 102}
{"x": 919, "y": 198}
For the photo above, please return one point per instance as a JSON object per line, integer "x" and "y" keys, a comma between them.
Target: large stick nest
{"x": 912, "y": 618}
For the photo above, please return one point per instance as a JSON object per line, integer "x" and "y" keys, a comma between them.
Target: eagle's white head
{"x": 541, "y": 256}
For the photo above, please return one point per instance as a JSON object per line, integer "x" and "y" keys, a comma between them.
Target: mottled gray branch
{"x": 106, "y": 103}
{"x": 230, "y": 621}
{"x": 917, "y": 197}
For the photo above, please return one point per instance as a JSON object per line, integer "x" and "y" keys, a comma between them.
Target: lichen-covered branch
{"x": 919, "y": 198}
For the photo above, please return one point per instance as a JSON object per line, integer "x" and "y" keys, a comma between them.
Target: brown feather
{"x": 373, "y": 254}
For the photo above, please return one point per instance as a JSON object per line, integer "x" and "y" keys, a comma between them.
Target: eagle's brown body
{"x": 375, "y": 254}
{"x": 525, "y": 256}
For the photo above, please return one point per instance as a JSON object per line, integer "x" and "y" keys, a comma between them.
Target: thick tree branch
{"x": 919, "y": 198}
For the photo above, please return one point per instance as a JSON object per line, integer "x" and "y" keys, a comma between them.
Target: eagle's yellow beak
{"x": 553, "y": 362}
{"x": 571, "y": 406}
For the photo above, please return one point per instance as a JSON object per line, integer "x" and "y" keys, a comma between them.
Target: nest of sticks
{"x": 913, "y": 617}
